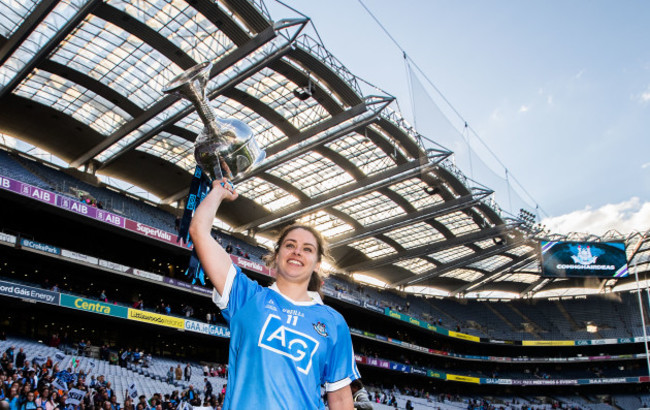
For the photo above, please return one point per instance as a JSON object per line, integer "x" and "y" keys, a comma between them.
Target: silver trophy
{"x": 225, "y": 147}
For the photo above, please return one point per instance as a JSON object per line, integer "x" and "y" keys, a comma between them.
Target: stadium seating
{"x": 11, "y": 168}
{"x": 152, "y": 379}
{"x": 42, "y": 176}
{"x": 147, "y": 381}
{"x": 516, "y": 320}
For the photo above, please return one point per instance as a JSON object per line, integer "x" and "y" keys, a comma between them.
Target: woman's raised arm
{"x": 214, "y": 259}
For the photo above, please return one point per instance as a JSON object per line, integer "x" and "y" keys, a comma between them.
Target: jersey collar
{"x": 316, "y": 299}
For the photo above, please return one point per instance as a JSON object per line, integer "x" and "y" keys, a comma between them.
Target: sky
{"x": 558, "y": 91}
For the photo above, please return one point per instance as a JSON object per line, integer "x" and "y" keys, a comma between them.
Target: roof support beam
{"x": 427, "y": 249}
{"x": 494, "y": 275}
{"x": 145, "y": 33}
{"x": 284, "y": 156}
{"x": 434, "y": 211}
{"x": 284, "y": 185}
{"x": 337, "y": 196}
{"x": 44, "y": 51}
{"x": 533, "y": 286}
{"x": 26, "y": 29}
{"x": 220, "y": 66}
{"x": 231, "y": 83}
{"x": 302, "y": 144}
{"x": 322, "y": 126}
{"x": 459, "y": 263}
{"x": 93, "y": 85}
{"x": 642, "y": 239}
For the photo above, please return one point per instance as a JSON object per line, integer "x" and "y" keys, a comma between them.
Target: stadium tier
{"x": 97, "y": 274}
{"x": 452, "y": 301}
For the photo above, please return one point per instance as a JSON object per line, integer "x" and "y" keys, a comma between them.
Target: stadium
{"x": 445, "y": 293}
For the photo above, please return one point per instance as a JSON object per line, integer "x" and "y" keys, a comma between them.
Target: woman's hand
{"x": 225, "y": 189}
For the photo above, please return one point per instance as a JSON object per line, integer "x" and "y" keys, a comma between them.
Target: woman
{"x": 41, "y": 400}
{"x": 28, "y": 402}
{"x": 284, "y": 343}
{"x": 53, "y": 401}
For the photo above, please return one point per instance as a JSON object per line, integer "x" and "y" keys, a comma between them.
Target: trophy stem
{"x": 204, "y": 110}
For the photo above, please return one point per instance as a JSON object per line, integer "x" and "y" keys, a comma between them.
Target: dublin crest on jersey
{"x": 320, "y": 328}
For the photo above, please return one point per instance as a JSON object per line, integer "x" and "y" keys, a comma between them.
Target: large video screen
{"x": 571, "y": 259}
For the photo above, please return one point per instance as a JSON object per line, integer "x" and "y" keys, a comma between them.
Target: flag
{"x": 75, "y": 396}
{"x": 39, "y": 360}
{"x": 59, "y": 384}
{"x": 133, "y": 391}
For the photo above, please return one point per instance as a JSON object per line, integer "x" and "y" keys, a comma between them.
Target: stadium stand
{"x": 60, "y": 182}
{"x": 9, "y": 167}
{"x": 471, "y": 313}
{"x": 392, "y": 206}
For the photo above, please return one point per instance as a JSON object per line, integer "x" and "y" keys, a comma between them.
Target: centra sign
{"x": 93, "y": 306}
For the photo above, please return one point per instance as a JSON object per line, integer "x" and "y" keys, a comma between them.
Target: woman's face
{"x": 297, "y": 256}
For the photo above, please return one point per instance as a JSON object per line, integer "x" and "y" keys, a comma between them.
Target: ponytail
{"x": 315, "y": 283}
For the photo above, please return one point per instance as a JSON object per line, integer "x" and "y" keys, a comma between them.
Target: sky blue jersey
{"x": 282, "y": 351}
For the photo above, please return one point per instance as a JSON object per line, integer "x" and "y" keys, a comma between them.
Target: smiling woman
{"x": 285, "y": 343}
{"x": 299, "y": 245}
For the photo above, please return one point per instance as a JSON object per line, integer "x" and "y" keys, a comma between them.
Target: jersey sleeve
{"x": 238, "y": 289}
{"x": 342, "y": 367}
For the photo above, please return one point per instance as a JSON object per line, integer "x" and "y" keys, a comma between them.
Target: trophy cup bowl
{"x": 225, "y": 147}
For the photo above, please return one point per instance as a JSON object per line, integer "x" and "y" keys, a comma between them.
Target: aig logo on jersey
{"x": 285, "y": 341}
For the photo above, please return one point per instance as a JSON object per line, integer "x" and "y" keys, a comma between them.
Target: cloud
{"x": 644, "y": 96}
{"x": 524, "y": 108}
{"x": 496, "y": 115}
{"x": 625, "y": 217}
{"x": 646, "y": 165}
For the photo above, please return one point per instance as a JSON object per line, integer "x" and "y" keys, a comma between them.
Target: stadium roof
{"x": 82, "y": 80}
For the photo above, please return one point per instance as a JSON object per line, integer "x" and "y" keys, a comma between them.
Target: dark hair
{"x": 315, "y": 281}
{"x": 356, "y": 384}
